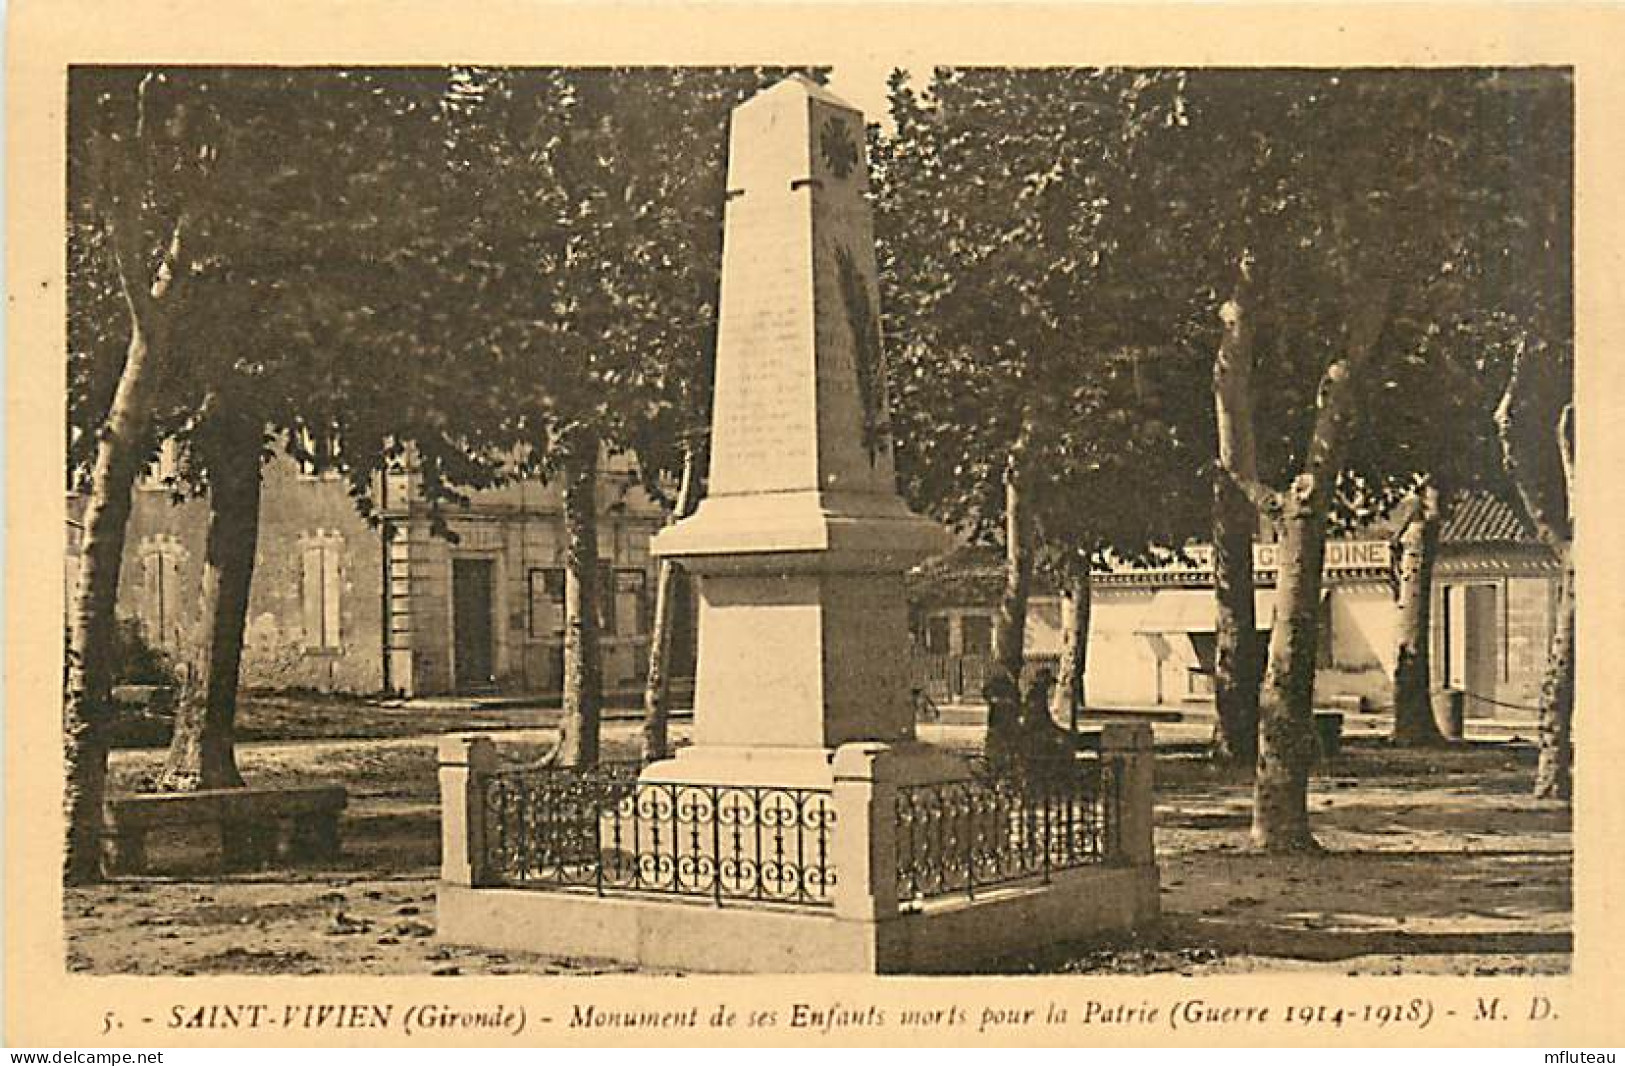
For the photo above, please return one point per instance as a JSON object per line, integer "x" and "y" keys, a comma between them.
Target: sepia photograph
{"x": 890, "y": 516}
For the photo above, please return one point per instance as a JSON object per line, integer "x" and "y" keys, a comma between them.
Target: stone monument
{"x": 802, "y": 541}
{"x": 805, "y": 829}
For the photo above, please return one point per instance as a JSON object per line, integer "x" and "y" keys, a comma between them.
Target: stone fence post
{"x": 1129, "y": 757}
{"x": 865, "y": 841}
{"x": 465, "y": 760}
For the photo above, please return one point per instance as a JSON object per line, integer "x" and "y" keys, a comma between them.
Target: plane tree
{"x": 1364, "y": 259}
{"x": 1017, "y": 217}
{"x": 1504, "y": 285}
{"x": 239, "y": 244}
{"x": 1328, "y": 262}
{"x": 1531, "y": 335}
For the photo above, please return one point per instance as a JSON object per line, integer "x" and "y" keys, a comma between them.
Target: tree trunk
{"x": 1286, "y": 737}
{"x": 1417, "y": 548}
{"x": 1010, "y": 628}
{"x": 1541, "y": 483}
{"x": 1075, "y": 607}
{"x": 88, "y": 684}
{"x": 583, "y": 676}
{"x": 202, "y": 750}
{"x": 1546, "y": 490}
{"x": 1002, "y": 687}
{"x": 657, "y": 690}
{"x": 1554, "y": 772}
{"x": 1238, "y": 662}
{"x": 87, "y": 709}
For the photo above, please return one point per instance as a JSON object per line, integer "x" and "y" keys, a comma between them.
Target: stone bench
{"x": 255, "y": 824}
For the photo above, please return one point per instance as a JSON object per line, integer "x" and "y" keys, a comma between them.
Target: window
{"x": 546, "y": 603}
{"x": 629, "y": 602}
{"x": 1206, "y": 647}
{"x": 631, "y": 544}
{"x": 936, "y": 634}
{"x": 976, "y": 632}
{"x": 616, "y": 601}
{"x": 320, "y": 589}
{"x": 1199, "y": 678}
{"x": 160, "y": 592}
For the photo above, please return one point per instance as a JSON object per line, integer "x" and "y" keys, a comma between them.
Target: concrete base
{"x": 951, "y": 934}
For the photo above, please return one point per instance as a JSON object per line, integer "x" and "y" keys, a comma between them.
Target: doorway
{"x": 1472, "y": 643}
{"x": 471, "y": 625}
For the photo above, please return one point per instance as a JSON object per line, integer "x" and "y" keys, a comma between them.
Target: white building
{"x": 1151, "y": 633}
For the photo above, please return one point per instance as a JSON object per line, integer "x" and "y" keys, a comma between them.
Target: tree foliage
{"x": 1037, "y": 390}
{"x": 1012, "y": 211}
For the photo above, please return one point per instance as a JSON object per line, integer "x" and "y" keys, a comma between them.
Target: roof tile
{"x": 1480, "y": 518}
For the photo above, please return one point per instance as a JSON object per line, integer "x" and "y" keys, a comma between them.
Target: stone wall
{"x": 317, "y": 614}
{"x": 292, "y": 639}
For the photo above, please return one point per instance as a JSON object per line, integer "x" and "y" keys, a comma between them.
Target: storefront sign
{"x": 1342, "y": 557}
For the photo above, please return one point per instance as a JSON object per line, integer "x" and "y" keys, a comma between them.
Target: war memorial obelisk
{"x": 805, "y": 828}
{"x": 802, "y": 540}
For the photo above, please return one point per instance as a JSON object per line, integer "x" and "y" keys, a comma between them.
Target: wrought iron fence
{"x": 604, "y": 830}
{"x": 1003, "y": 825}
{"x": 952, "y": 678}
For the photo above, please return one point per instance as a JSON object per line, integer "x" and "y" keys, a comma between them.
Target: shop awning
{"x": 1193, "y": 611}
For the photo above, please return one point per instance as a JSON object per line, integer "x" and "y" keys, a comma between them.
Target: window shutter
{"x": 311, "y": 596}
{"x": 170, "y": 579}
{"x": 606, "y": 599}
{"x": 629, "y": 595}
{"x": 330, "y": 597}
{"x": 535, "y": 603}
{"x": 152, "y": 598}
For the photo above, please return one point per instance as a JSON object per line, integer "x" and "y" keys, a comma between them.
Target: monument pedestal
{"x": 801, "y": 649}
{"x": 803, "y": 638}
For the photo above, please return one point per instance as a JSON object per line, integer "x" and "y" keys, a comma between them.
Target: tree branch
{"x": 1565, "y": 454}
{"x": 1552, "y": 528}
{"x": 1334, "y": 400}
{"x": 124, "y": 219}
{"x": 1233, "y": 393}
{"x": 1269, "y": 502}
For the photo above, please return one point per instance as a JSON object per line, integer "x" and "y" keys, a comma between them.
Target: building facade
{"x": 1151, "y": 632}
{"x": 339, "y": 604}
